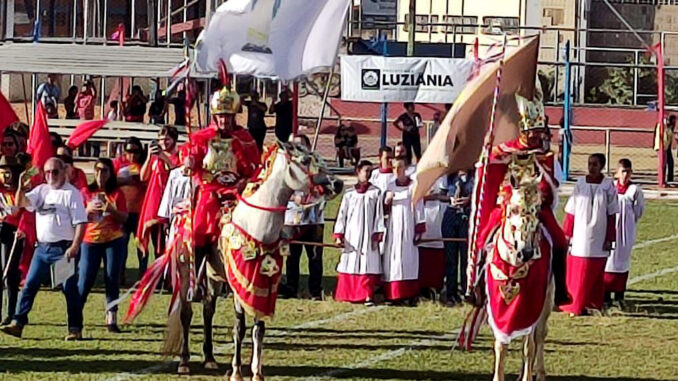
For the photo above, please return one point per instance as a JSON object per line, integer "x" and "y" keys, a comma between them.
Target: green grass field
{"x": 316, "y": 340}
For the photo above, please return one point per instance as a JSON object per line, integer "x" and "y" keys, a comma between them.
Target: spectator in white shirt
{"x": 60, "y": 220}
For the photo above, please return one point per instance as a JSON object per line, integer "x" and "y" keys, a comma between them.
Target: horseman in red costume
{"x": 534, "y": 138}
{"x": 225, "y": 156}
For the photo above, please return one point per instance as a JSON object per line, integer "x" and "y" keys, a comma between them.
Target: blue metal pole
{"x": 384, "y": 105}
{"x": 567, "y": 109}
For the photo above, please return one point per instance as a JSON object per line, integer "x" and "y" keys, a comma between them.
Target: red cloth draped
{"x": 27, "y": 226}
{"x": 356, "y": 288}
{"x": 84, "y": 131}
{"x": 39, "y": 142}
{"x": 510, "y": 318}
{"x": 7, "y": 114}
{"x": 154, "y": 190}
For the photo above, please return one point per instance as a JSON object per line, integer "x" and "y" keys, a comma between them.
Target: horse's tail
{"x": 174, "y": 334}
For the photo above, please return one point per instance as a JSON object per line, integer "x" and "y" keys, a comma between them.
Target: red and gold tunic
{"x": 221, "y": 162}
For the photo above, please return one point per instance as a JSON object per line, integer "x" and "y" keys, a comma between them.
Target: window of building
{"x": 501, "y": 25}
{"x": 464, "y": 25}
{"x": 435, "y": 28}
{"x": 421, "y": 23}
{"x": 556, "y": 15}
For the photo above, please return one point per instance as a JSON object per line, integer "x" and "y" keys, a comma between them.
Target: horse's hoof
{"x": 236, "y": 377}
{"x": 257, "y": 377}
{"x": 211, "y": 365}
{"x": 183, "y": 369}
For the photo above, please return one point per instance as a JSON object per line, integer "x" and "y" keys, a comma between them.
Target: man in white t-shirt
{"x": 60, "y": 220}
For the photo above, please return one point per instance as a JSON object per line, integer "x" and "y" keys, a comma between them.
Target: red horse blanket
{"x": 516, "y": 294}
{"x": 253, "y": 269}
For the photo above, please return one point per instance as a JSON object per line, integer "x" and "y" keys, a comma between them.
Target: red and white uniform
{"x": 242, "y": 162}
{"x": 360, "y": 223}
{"x": 590, "y": 222}
{"x": 631, "y": 208}
{"x": 432, "y": 254}
{"x": 400, "y": 255}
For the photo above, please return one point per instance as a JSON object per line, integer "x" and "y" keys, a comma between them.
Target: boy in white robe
{"x": 178, "y": 192}
{"x": 590, "y": 228}
{"x": 403, "y": 229}
{"x": 383, "y": 175}
{"x": 432, "y": 249}
{"x": 631, "y": 208}
{"x": 401, "y": 153}
{"x": 359, "y": 228}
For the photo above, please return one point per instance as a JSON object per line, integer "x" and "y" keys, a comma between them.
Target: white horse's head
{"x": 520, "y": 236}
{"x": 300, "y": 170}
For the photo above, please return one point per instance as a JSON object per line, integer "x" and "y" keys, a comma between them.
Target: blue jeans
{"x": 91, "y": 255}
{"x": 455, "y": 225}
{"x": 45, "y": 255}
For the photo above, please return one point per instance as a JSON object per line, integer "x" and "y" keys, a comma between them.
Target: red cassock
{"x": 241, "y": 158}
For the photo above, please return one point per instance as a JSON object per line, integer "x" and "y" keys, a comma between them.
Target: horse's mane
{"x": 263, "y": 172}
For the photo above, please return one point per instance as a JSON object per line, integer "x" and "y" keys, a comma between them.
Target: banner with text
{"x": 403, "y": 79}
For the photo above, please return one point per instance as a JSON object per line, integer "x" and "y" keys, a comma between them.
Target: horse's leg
{"x": 238, "y": 337}
{"x": 186, "y": 316}
{"x": 500, "y": 351}
{"x": 528, "y": 356}
{"x": 258, "y": 332}
{"x": 540, "y": 333}
{"x": 209, "y": 304}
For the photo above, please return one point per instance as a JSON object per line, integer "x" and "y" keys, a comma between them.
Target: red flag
{"x": 39, "y": 143}
{"x": 149, "y": 209}
{"x": 84, "y": 131}
{"x": 7, "y": 114}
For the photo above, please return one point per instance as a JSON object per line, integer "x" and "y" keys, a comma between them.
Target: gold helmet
{"x": 531, "y": 114}
{"x": 225, "y": 102}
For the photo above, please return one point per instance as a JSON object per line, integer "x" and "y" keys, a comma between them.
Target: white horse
{"x": 519, "y": 267}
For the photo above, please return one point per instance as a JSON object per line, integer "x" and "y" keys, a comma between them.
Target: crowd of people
{"x": 387, "y": 246}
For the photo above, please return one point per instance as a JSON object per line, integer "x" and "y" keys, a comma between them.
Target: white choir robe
{"x": 432, "y": 254}
{"x": 381, "y": 177}
{"x": 631, "y": 209}
{"x": 178, "y": 189}
{"x": 359, "y": 220}
{"x": 590, "y": 207}
{"x": 400, "y": 255}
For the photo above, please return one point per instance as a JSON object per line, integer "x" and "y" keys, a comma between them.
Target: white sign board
{"x": 403, "y": 79}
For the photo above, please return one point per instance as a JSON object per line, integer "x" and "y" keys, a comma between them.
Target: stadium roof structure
{"x": 97, "y": 60}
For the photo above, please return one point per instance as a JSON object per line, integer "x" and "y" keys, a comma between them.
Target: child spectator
{"x": 631, "y": 208}
{"x": 158, "y": 108}
{"x": 403, "y": 230}
{"x": 113, "y": 112}
{"x": 85, "y": 100}
{"x": 49, "y": 93}
{"x": 359, "y": 228}
{"x": 590, "y": 227}
{"x": 384, "y": 174}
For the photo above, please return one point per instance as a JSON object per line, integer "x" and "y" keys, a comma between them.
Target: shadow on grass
{"x": 66, "y": 352}
{"x": 169, "y": 368}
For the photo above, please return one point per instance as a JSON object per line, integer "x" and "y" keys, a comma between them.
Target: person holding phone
{"x": 162, "y": 158}
{"x": 103, "y": 240}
